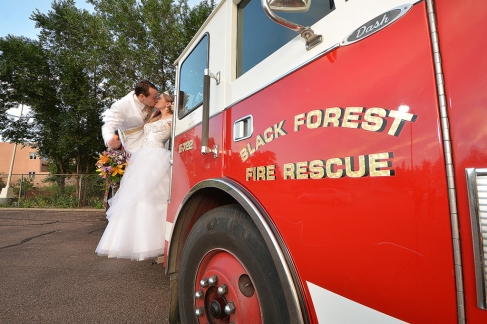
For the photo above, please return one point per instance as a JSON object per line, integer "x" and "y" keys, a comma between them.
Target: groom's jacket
{"x": 128, "y": 117}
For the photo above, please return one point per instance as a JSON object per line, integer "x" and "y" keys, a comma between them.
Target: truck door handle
{"x": 205, "y": 149}
{"x": 243, "y": 128}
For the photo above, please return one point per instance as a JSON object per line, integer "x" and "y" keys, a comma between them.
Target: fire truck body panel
{"x": 465, "y": 69}
{"x": 337, "y": 154}
{"x": 373, "y": 239}
{"x": 337, "y": 25}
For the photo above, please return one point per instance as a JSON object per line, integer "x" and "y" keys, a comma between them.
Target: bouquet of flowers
{"x": 111, "y": 166}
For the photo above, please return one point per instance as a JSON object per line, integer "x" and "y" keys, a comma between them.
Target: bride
{"x": 137, "y": 213}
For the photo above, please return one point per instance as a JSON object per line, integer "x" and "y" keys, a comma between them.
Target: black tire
{"x": 230, "y": 229}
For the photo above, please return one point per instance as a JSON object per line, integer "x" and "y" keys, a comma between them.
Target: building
{"x": 27, "y": 163}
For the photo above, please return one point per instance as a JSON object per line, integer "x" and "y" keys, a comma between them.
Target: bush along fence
{"x": 56, "y": 190}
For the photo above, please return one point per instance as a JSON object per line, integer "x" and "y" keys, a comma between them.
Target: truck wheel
{"x": 227, "y": 274}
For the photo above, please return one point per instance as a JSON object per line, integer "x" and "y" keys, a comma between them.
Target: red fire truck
{"x": 330, "y": 164}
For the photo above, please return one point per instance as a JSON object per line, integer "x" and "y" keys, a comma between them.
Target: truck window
{"x": 191, "y": 78}
{"x": 258, "y": 36}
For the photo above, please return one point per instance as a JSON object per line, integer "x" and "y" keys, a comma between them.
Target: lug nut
{"x": 213, "y": 280}
{"x": 200, "y": 311}
{"x": 230, "y": 308}
{"x": 199, "y": 294}
{"x": 222, "y": 290}
{"x": 204, "y": 282}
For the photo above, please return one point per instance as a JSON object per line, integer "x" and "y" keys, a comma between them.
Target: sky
{"x": 14, "y": 20}
{"x": 14, "y": 16}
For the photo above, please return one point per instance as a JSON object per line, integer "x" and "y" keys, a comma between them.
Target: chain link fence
{"x": 56, "y": 190}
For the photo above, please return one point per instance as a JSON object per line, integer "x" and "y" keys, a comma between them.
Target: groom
{"x": 129, "y": 114}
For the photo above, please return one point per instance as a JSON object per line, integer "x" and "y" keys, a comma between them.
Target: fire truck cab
{"x": 330, "y": 164}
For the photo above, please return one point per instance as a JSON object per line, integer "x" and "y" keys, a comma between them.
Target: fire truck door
{"x": 462, "y": 30}
{"x": 199, "y": 120}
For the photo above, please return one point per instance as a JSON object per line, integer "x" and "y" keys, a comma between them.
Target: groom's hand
{"x": 114, "y": 143}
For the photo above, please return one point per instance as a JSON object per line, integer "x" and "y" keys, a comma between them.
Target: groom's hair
{"x": 142, "y": 87}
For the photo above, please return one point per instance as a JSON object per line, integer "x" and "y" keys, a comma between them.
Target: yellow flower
{"x": 103, "y": 174}
{"x": 117, "y": 170}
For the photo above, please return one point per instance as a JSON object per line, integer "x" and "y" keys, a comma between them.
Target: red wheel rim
{"x": 224, "y": 292}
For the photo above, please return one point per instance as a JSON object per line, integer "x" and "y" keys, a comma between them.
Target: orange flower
{"x": 111, "y": 166}
{"x": 103, "y": 159}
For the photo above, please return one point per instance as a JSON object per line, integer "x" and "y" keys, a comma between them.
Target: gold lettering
{"x": 298, "y": 121}
{"x": 400, "y": 118}
{"x": 271, "y": 175}
{"x": 319, "y": 119}
{"x": 351, "y": 115}
{"x": 288, "y": 172}
{"x": 248, "y": 173}
{"x": 316, "y": 169}
{"x": 278, "y": 129}
{"x": 301, "y": 170}
{"x": 250, "y": 149}
{"x": 363, "y": 168}
{"x": 330, "y": 169}
{"x": 268, "y": 138}
{"x": 373, "y": 119}
{"x": 260, "y": 173}
{"x": 376, "y": 163}
{"x": 259, "y": 142}
{"x": 332, "y": 116}
{"x": 244, "y": 154}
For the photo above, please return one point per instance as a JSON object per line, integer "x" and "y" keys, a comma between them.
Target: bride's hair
{"x": 158, "y": 114}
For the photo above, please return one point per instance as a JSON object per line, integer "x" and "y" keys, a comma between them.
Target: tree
{"x": 75, "y": 42}
{"x": 192, "y": 19}
{"x": 26, "y": 79}
{"x": 148, "y": 37}
{"x": 83, "y": 62}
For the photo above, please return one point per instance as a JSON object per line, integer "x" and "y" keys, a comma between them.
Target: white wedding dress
{"x": 137, "y": 212}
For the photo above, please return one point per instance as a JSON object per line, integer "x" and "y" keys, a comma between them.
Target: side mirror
{"x": 289, "y": 5}
{"x": 270, "y": 6}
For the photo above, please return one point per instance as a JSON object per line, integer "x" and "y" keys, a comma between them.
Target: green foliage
{"x": 26, "y": 183}
{"x": 24, "y": 79}
{"x": 194, "y": 18}
{"x": 53, "y": 196}
{"x": 59, "y": 190}
{"x": 41, "y": 201}
{"x": 148, "y": 36}
{"x": 76, "y": 44}
{"x": 81, "y": 63}
{"x": 95, "y": 190}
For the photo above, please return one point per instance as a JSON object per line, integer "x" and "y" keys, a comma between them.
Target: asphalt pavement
{"x": 49, "y": 273}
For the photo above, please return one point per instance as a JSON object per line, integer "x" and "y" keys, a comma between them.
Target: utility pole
{"x": 8, "y": 192}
